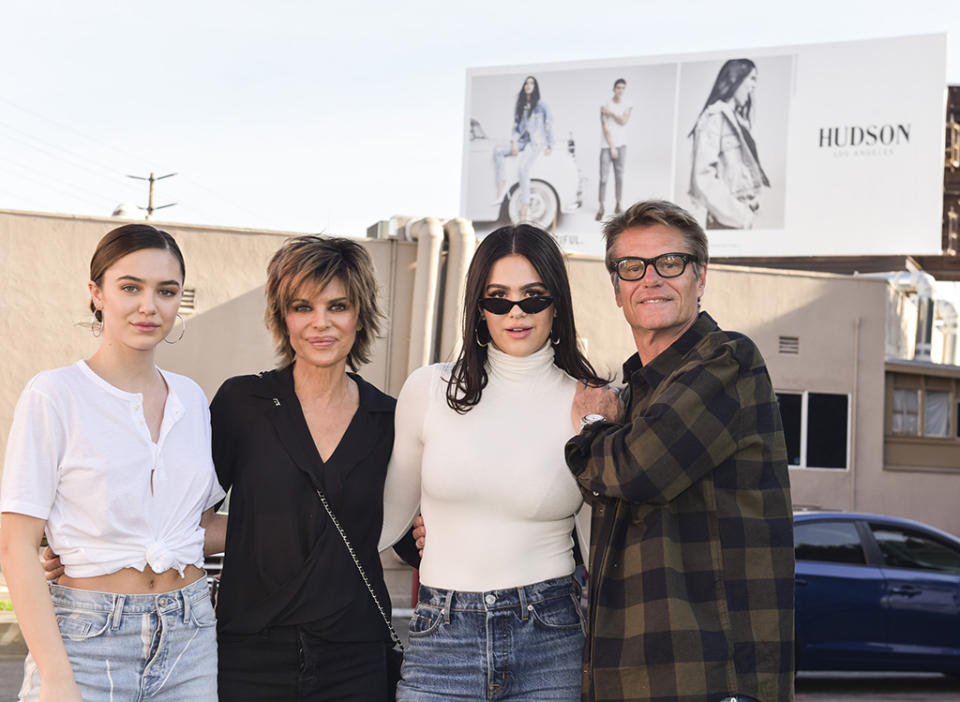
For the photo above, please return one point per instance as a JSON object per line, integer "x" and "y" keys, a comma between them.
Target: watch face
{"x": 590, "y": 419}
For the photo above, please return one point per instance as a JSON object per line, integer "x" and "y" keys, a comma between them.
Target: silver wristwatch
{"x": 591, "y": 419}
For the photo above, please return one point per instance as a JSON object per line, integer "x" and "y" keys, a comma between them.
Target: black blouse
{"x": 285, "y": 563}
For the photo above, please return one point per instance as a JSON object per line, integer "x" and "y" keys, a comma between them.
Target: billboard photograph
{"x": 785, "y": 151}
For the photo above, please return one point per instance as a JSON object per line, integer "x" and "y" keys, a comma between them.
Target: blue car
{"x": 876, "y": 593}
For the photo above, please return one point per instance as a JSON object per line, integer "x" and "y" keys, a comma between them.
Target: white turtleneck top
{"x": 497, "y": 498}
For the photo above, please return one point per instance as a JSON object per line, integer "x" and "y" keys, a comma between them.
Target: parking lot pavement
{"x": 876, "y": 687}
{"x": 811, "y": 687}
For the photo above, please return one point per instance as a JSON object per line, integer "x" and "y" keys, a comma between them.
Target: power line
{"x": 153, "y": 179}
{"x": 223, "y": 198}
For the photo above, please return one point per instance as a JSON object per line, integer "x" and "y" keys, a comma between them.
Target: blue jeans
{"x": 122, "y": 648}
{"x": 518, "y": 644}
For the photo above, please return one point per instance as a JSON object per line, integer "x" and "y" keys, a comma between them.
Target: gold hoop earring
{"x": 183, "y": 328}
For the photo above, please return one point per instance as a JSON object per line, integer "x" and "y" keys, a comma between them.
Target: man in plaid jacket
{"x": 691, "y": 559}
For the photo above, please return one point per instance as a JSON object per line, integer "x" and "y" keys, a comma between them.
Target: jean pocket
{"x": 558, "y": 613}
{"x": 78, "y": 625}
{"x": 202, "y": 613}
{"x": 425, "y": 621}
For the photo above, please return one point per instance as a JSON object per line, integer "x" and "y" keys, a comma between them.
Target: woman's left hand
{"x": 52, "y": 567}
{"x": 419, "y": 533}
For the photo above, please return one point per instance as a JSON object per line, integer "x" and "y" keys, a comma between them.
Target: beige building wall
{"x": 44, "y": 273}
{"x": 839, "y": 324}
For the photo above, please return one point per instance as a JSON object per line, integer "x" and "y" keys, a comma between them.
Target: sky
{"x": 320, "y": 116}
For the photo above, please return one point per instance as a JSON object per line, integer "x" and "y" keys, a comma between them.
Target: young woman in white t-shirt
{"x": 479, "y": 449}
{"x": 110, "y": 457}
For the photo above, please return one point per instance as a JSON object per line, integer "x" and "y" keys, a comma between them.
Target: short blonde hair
{"x": 315, "y": 261}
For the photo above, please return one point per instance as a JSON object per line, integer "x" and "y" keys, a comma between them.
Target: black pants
{"x": 284, "y": 664}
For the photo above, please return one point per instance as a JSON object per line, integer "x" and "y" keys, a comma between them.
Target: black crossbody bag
{"x": 394, "y": 652}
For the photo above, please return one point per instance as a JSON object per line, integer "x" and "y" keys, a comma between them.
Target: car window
{"x": 834, "y": 542}
{"x": 908, "y": 548}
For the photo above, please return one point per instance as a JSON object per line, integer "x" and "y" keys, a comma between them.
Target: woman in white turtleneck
{"x": 479, "y": 451}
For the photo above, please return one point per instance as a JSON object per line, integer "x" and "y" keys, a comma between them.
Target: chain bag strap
{"x": 363, "y": 574}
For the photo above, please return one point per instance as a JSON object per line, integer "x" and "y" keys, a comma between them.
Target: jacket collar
{"x": 671, "y": 357}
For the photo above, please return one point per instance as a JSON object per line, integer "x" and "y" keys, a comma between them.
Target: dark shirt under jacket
{"x": 285, "y": 563}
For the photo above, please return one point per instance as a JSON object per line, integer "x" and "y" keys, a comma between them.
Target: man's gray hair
{"x": 648, "y": 213}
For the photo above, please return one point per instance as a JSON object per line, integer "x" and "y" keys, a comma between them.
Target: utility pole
{"x": 153, "y": 179}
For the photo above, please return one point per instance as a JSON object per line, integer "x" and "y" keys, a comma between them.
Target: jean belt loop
{"x": 522, "y": 594}
{"x": 186, "y": 606}
{"x": 447, "y": 606}
{"x": 117, "y": 614}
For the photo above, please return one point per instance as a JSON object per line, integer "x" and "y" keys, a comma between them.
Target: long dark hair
{"x": 732, "y": 73}
{"x": 522, "y": 100}
{"x": 469, "y": 375}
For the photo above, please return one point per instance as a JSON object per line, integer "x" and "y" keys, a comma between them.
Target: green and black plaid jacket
{"x": 691, "y": 557}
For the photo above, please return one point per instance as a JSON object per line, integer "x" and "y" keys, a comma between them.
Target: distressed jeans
{"x": 126, "y": 648}
{"x": 523, "y": 643}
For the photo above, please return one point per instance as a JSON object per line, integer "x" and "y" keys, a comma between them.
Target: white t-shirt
{"x": 618, "y": 132}
{"x": 80, "y": 456}
{"x": 496, "y": 495}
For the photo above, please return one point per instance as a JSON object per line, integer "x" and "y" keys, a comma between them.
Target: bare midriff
{"x": 130, "y": 581}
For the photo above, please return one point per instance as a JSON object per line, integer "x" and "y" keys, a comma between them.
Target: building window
{"x": 936, "y": 413}
{"x": 906, "y": 411}
{"x": 923, "y": 406}
{"x": 816, "y": 428}
{"x": 791, "y": 411}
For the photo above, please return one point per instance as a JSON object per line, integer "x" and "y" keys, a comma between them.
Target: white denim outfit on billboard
{"x": 532, "y": 134}
{"x": 158, "y": 647}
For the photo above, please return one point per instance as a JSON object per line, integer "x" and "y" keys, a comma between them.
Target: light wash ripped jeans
{"x": 127, "y": 648}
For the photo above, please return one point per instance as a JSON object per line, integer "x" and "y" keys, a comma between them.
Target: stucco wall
{"x": 44, "y": 272}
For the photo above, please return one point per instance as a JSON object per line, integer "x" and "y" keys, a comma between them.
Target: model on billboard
{"x": 726, "y": 177}
{"x": 532, "y": 133}
{"x": 614, "y": 115}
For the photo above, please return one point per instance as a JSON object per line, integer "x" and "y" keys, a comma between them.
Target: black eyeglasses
{"x": 501, "y": 305}
{"x": 668, "y": 265}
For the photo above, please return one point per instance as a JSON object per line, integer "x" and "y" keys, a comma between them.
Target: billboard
{"x": 827, "y": 149}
